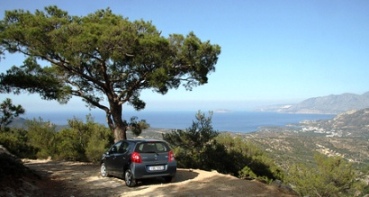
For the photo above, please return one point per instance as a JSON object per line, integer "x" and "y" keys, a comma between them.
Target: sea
{"x": 229, "y": 121}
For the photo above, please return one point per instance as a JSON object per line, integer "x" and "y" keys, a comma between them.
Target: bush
{"x": 42, "y": 135}
{"x": 16, "y": 142}
{"x": 331, "y": 176}
{"x": 247, "y": 173}
{"x": 101, "y": 138}
{"x": 83, "y": 141}
{"x": 201, "y": 147}
{"x": 70, "y": 145}
{"x": 78, "y": 142}
{"x": 192, "y": 144}
{"x": 250, "y": 160}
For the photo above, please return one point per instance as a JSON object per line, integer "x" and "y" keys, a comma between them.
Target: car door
{"x": 120, "y": 158}
{"x": 110, "y": 158}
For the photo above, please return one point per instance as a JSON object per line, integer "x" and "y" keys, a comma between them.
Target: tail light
{"x": 170, "y": 156}
{"x": 136, "y": 157}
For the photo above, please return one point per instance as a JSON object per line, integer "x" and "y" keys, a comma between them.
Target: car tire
{"x": 128, "y": 178}
{"x": 168, "y": 179}
{"x": 103, "y": 171}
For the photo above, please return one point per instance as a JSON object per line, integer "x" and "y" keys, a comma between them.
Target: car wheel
{"x": 168, "y": 179}
{"x": 103, "y": 170}
{"x": 128, "y": 178}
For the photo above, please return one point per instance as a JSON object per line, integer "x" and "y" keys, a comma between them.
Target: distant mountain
{"x": 332, "y": 104}
{"x": 18, "y": 122}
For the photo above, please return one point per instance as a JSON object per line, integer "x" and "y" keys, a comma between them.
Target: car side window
{"x": 115, "y": 147}
{"x": 123, "y": 147}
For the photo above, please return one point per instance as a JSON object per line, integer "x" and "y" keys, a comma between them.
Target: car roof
{"x": 143, "y": 140}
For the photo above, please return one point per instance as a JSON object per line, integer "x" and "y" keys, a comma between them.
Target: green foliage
{"x": 78, "y": 142}
{"x": 83, "y": 141}
{"x": 136, "y": 126}
{"x": 42, "y": 136}
{"x": 8, "y": 111}
{"x": 191, "y": 144}
{"x": 103, "y": 58}
{"x": 98, "y": 143}
{"x": 99, "y": 140}
{"x": 250, "y": 160}
{"x": 70, "y": 145}
{"x": 33, "y": 78}
{"x": 194, "y": 137}
{"x": 247, "y": 173}
{"x": 16, "y": 142}
{"x": 201, "y": 147}
{"x": 332, "y": 176}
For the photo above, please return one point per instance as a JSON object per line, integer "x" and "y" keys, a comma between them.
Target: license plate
{"x": 156, "y": 168}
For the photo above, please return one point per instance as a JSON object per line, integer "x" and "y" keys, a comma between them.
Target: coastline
{"x": 235, "y": 121}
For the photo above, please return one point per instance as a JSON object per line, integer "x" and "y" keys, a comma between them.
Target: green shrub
{"x": 83, "y": 141}
{"x": 217, "y": 157}
{"x": 332, "y": 176}
{"x": 192, "y": 144}
{"x": 80, "y": 141}
{"x": 101, "y": 138}
{"x": 201, "y": 147}
{"x": 42, "y": 135}
{"x": 250, "y": 159}
{"x": 16, "y": 142}
{"x": 247, "y": 173}
{"x": 70, "y": 145}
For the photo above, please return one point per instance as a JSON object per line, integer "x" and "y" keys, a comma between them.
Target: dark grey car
{"x": 134, "y": 160}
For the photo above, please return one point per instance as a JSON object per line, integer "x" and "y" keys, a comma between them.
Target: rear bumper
{"x": 141, "y": 171}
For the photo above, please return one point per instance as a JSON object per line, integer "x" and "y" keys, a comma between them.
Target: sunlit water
{"x": 226, "y": 121}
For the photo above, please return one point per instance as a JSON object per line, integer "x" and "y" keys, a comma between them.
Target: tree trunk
{"x": 119, "y": 133}
{"x": 116, "y": 123}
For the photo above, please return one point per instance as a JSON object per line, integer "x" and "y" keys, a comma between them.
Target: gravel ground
{"x": 57, "y": 178}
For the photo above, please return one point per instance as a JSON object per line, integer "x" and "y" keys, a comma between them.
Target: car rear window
{"x": 152, "y": 147}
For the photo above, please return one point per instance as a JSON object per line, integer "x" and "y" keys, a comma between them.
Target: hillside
{"x": 354, "y": 123}
{"x": 331, "y": 104}
{"x": 346, "y": 135}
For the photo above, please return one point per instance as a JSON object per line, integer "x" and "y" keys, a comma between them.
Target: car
{"x": 138, "y": 159}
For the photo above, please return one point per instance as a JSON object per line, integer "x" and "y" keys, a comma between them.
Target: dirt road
{"x": 83, "y": 179}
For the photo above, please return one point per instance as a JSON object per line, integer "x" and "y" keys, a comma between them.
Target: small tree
{"x": 332, "y": 176}
{"x": 42, "y": 136}
{"x": 194, "y": 137}
{"x": 16, "y": 141}
{"x": 250, "y": 162}
{"x": 103, "y": 58}
{"x": 8, "y": 111}
{"x": 193, "y": 142}
{"x": 200, "y": 146}
{"x": 83, "y": 141}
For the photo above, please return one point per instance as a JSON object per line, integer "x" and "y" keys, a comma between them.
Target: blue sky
{"x": 273, "y": 52}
